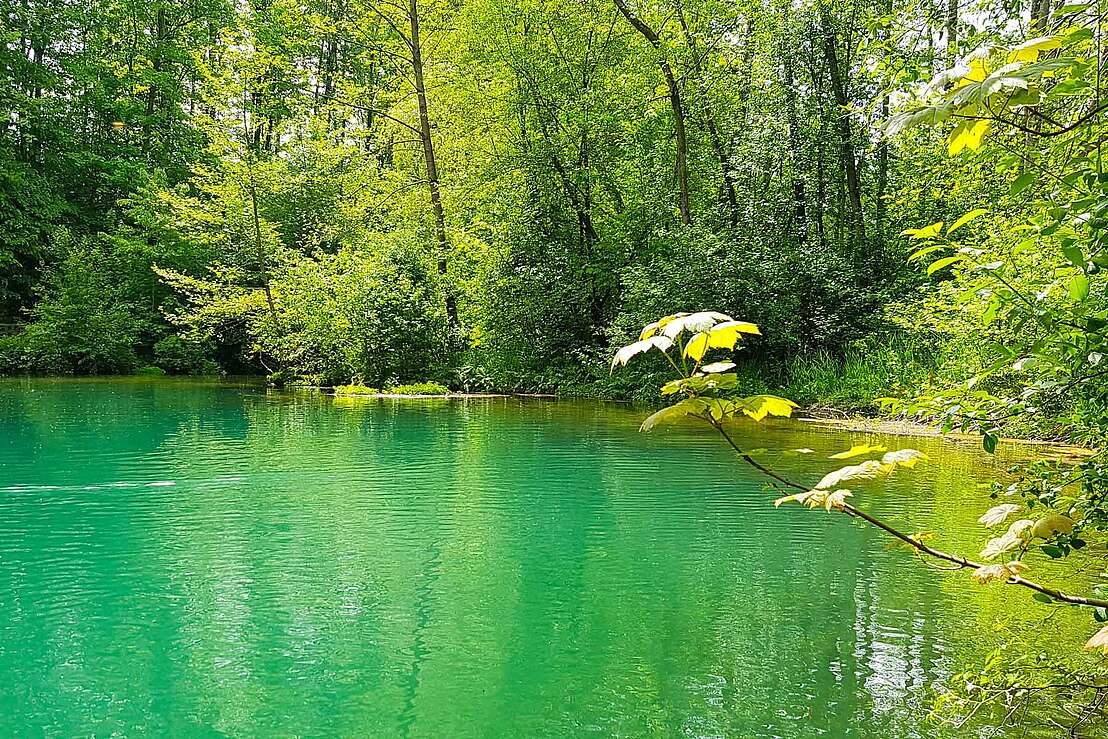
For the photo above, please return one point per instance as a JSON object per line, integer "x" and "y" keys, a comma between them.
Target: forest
{"x": 484, "y": 194}
{"x": 905, "y": 199}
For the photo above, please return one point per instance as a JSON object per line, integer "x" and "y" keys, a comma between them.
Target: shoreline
{"x": 894, "y": 427}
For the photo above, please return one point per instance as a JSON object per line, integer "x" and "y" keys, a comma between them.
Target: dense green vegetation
{"x": 908, "y": 200}
{"x": 487, "y": 194}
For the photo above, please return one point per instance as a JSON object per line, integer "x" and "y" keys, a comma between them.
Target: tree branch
{"x": 919, "y": 546}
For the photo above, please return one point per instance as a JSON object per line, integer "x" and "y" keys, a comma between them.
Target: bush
{"x": 83, "y": 323}
{"x": 373, "y": 316}
{"x": 180, "y": 356}
{"x": 12, "y": 354}
{"x": 150, "y": 371}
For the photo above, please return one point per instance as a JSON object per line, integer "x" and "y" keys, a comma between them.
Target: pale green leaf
{"x": 624, "y": 355}
{"x": 921, "y": 253}
{"x": 669, "y": 414}
{"x": 944, "y": 262}
{"x": 976, "y": 213}
{"x": 1079, "y": 287}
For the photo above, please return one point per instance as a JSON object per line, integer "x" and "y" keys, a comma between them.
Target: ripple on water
{"x": 202, "y": 559}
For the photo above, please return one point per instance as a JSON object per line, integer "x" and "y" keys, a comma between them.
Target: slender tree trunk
{"x": 846, "y": 135}
{"x": 1040, "y": 16}
{"x": 821, "y": 194}
{"x": 674, "y": 102}
{"x": 951, "y": 32}
{"x": 799, "y": 210}
{"x": 584, "y": 219}
{"x": 431, "y": 163}
{"x": 721, "y": 151}
{"x": 262, "y": 255}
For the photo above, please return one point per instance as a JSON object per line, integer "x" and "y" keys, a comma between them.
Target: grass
{"x": 853, "y": 381}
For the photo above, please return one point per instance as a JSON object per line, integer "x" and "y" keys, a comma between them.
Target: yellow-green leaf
{"x": 760, "y": 406}
{"x": 1029, "y": 51}
{"x": 649, "y": 330}
{"x": 921, "y": 253}
{"x": 687, "y": 407}
{"x": 976, "y": 213}
{"x": 1079, "y": 287}
{"x": 927, "y": 232}
{"x": 944, "y": 262}
{"x": 697, "y": 346}
{"x": 967, "y": 135}
{"x": 858, "y": 450}
{"x": 1048, "y": 526}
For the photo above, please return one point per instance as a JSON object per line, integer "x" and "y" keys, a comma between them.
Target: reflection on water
{"x": 183, "y": 558}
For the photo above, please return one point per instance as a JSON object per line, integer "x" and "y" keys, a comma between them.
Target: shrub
{"x": 179, "y": 356}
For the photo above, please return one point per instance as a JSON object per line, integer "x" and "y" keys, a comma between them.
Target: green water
{"x": 199, "y": 560}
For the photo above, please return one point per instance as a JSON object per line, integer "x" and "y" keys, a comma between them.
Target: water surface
{"x": 206, "y": 559}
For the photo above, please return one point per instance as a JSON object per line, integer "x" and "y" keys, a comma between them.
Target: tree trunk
{"x": 1040, "y": 16}
{"x": 584, "y": 219}
{"x": 152, "y": 93}
{"x": 846, "y": 135}
{"x": 674, "y": 102}
{"x": 262, "y": 255}
{"x": 951, "y": 33}
{"x": 721, "y": 151}
{"x": 799, "y": 216}
{"x": 431, "y": 164}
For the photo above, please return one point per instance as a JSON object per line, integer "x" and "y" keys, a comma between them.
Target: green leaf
{"x": 944, "y": 262}
{"x": 1071, "y": 8}
{"x": 687, "y": 407}
{"x": 1074, "y": 254}
{"x": 989, "y": 442}
{"x": 1079, "y": 287}
{"x": 1043, "y": 598}
{"x": 921, "y": 253}
{"x": 1022, "y": 182}
{"x": 976, "y": 213}
{"x": 1054, "y": 552}
{"x": 927, "y": 232}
